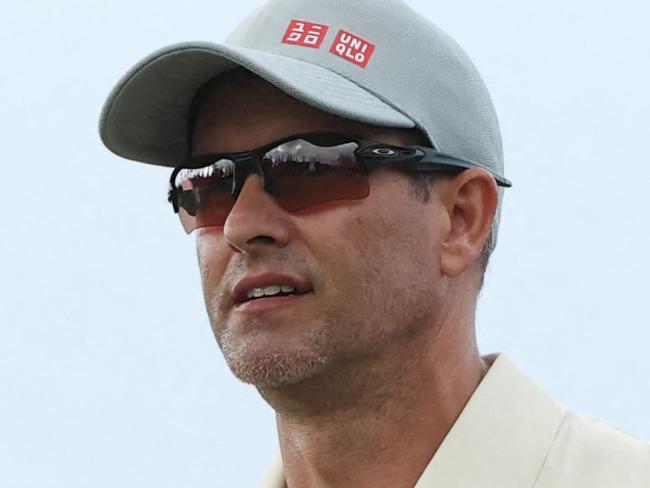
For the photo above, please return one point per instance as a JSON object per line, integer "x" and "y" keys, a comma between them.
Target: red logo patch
{"x": 306, "y": 34}
{"x": 353, "y": 48}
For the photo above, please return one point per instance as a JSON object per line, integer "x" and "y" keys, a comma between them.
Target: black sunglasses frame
{"x": 371, "y": 154}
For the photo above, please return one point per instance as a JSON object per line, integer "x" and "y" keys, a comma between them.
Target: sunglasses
{"x": 299, "y": 172}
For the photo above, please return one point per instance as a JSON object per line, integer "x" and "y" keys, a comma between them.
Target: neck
{"x": 377, "y": 422}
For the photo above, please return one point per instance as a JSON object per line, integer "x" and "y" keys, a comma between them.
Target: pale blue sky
{"x": 109, "y": 373}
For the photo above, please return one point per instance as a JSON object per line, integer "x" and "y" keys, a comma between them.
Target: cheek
{"x": 376, "y": 256}
{"x": 211, "y": 253}
{"x": 399, "y": 253}
{"x": 400, "y": 231}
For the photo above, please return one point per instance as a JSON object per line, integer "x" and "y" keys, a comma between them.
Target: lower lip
{"x": 269, "y": 303}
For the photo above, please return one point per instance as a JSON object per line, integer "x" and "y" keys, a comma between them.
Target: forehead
{"x": 241, "y": 111}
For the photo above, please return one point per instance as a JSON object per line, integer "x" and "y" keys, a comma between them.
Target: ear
{"x": 471, "y": 202}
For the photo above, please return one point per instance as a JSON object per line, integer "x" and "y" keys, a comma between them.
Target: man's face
{"x": 372, "y": 265}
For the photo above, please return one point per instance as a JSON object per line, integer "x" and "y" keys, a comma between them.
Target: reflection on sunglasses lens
{"x": 299, "y": 174}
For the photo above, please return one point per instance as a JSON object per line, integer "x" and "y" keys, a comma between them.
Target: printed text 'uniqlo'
{"x": 353, "y": 48}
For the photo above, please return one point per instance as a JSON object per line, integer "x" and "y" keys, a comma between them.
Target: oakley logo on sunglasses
{"x": 306, "y": 34}
{"x": 384, "y": 152}
{"x": 353, "y": 48}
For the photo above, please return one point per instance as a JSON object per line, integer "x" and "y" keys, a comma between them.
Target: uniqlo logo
{"x": 353, "y": 48}
{"x": 306, "y": 34}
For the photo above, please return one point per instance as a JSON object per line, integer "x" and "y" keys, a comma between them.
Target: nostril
{"x": 261, "y": 240}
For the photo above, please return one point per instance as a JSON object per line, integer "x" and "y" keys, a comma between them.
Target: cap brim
{"x": 145, "y": 117}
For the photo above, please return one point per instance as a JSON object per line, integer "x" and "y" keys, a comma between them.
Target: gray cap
{"x": 373, "y": 61}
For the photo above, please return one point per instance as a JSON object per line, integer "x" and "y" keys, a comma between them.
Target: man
{"x": 341, "y": 165}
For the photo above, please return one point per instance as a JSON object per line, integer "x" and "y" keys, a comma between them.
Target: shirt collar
{"x": 501, "y": 437}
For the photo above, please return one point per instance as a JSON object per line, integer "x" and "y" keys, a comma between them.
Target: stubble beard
{"x": 333, "y": 341}
{"x": 253, "y": 360}
{"x": 319, "y": 347}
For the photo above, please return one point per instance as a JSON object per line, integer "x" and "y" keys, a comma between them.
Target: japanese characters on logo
{"x": 307, "y": 34}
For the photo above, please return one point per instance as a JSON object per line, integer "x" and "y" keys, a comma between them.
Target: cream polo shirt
{"x": 513, "y": 435}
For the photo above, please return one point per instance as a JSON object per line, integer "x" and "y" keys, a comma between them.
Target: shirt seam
{"x": 548, "y": 452}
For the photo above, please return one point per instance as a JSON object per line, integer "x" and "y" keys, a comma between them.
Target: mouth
{"x": 267, "y": 291}
{"x": 265, "y": 303}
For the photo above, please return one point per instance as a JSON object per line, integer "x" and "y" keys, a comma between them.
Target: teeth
{"x": 269, "y": 291}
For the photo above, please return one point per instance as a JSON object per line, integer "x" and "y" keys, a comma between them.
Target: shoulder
{"x": 588, "y": 452}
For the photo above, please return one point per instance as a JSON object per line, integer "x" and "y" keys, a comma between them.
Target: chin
{"x": 259, "y": 361}
{"x": 275, "y": 370}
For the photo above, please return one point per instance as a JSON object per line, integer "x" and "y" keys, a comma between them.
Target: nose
{"x": 256, "y": 220}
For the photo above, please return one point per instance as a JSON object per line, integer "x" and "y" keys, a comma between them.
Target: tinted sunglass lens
{"x": 204, "y": 195}
{"x": 301, "y": 173}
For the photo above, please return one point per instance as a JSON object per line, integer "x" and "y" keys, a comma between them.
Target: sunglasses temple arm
{"x": 438, "y": 159}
